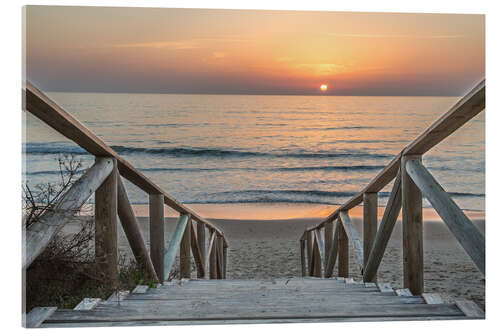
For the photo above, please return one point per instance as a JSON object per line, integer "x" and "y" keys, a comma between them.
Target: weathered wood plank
{"x": 309, "y": 244}
{"x": 385, "y": 287}
{"x": 316, "y": 272}
{"x": 328, "y": 230}
{"x": 41, "y": 106}
{"x": 198, "y": 259}
{"x": 432, "y": 298}
{"x": 224, "y": 261}
{"x": 463, "y": 111}
{"x": 370, "y": 221}
{"x": 213, "y": 255}
{"x": 470, "y": 309}
{"x": 231, "y": 311}
{"x": 384, "y": 231}
{"x": 459, "y": 224}
{"x": 39, "y": 235}
{"x": 106, "y": 237}
{"x": 200, "y": 232}
{"x": 157, "y": 233}
{"x": 117, "y": 296}
{"x": 321, "y": 245}
{"x": 220, "y": 246}
{"x": 333, "y": 253}
{"x": 209, "y": 256}
{"x": 413, "y": 250}
{"x": 185, "y": 252}
{"x": 353, "y": 236}
{"x": 174, "y": 245}
{"x": 87, "y": 304}
{"x": 133, "y": 232}
{"x": 140, "y": 289}
{"x": 303, "y": 263}
{"x": 403, "y": 292}
{"x": 343, "y": 241}
{"x": 37, "y": 316}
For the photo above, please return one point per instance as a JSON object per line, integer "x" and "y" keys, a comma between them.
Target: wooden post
{"x": 174, "y": 245}
{"x": 303, "y": 257}
{"x": 213, "y": 255}
{"x": 106, "y": 242}
{"x": 413, "y": 251}
{"x": 316, "y": 256}
{"x": 328, "y": 241}
{"x": 133, "y": 232}
{"x": 185, "y": 253}
{"x": 220, "y": 247}
{"x": 224, "y": 262}
{"x": 309, "y": 251}
{"x": 157, "y": 233}
{"x": 200, "y": 234}
{"x": 370, "y": 215}
{"x": 343, "y": 251}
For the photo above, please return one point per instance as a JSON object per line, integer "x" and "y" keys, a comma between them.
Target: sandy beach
{"x": 266, "y": 248}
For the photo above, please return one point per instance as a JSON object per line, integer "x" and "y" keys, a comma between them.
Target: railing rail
{"x": 412, "y": 180}
{"x": 112, "y": 201}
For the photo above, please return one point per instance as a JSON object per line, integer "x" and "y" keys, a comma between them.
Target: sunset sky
{"x": 97, "y": 49}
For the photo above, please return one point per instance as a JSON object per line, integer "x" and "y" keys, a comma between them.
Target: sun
{"x": 323, "y": 87}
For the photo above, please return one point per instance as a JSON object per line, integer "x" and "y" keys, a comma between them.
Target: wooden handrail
{"x": 469, "y": 237}
{"x": 41, "y": 106}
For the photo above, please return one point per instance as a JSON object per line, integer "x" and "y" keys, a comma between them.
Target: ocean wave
{"x": 56, "y": 148}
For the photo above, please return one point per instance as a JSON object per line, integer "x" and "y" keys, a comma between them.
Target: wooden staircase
{"x": 188, "y": 302}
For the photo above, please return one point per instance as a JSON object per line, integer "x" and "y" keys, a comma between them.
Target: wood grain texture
{"x": 303, "y": 263}
{"x": 174, "y": 245}
{"x": 413, "y": 249}
{"x": 309, "y": 244}
{"x": 39, "y": 235}
{"x": 106, "y": 233}
{"x": 212, "y": 255}
{"x": 463, "y": 111}
{"x": 200, "y": 237}
{"x": 459, "y": 224}
{"x": 343, "y": 242}
{"x": 87, "y": 304}
{"x": 316, "y": 260}
{"x": 185, "y": 252}
{"x": 157, "y": 233}
{"x": 333, "y": 253}
{"x": 432, "y": 298}
{"x": 370, "y": 222}
{"x": 352, "y": 235}
{"x": 133, "y": 233}
{"x": 384, "y": 231}
{"x": 198, "y": 259}
{"x": 37, "y": 316}
{"x": 328, "y": 236}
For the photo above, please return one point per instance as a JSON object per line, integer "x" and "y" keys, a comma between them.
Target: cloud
{"x": 189, "y": 44}
{"x": 333, "y": 34}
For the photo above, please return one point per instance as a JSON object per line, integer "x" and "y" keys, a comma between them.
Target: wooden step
{"x": 261, "y": 301}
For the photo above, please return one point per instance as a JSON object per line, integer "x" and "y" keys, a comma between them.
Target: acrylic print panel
{"x": 201, "y": 166}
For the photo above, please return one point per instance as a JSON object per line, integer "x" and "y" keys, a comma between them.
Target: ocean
{"x": 222, "y": 149}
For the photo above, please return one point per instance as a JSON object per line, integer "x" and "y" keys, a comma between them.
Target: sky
{"x": 160, "y": 50}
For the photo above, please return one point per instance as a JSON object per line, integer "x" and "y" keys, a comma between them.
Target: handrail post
{"x": 185, "y": 253}
{"x": 343, "y": 251}
{"x": 370, "y": 215}
{"x": 213, "y": 254}
{"x": 309, "y": 252}
{"x": 328, "y": 241}
{"x": 413, "y": 252}
{"x": 106, "y": 237}
{"x": 200, "y": 235}
{"x": 303, "y": 257}
{"x": 224, "y": 261}
{"x": 156, "y": 233}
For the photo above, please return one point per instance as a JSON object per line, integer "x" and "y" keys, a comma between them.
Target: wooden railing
{"x": 111, "y": 202}
{"x": 412, "y": 180}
